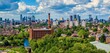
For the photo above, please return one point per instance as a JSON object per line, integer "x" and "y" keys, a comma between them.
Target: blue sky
{"x": 30, "y": 2}
{"x": 58, "y": 8}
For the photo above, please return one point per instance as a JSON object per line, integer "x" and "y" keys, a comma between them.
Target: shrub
{"x": 92, "y": 38}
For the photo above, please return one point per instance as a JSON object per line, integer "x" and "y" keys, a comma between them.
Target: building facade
{"x": 83, "y": 23}
{"x": 39, "y": 33}
{"x": 76, "y": 23}
{"x": 71, "y": 22}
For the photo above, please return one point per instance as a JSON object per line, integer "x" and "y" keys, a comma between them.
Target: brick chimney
{"x": 49, "y": 22}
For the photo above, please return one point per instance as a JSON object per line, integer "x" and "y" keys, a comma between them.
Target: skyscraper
{"x": 21, "y": 17}
{"x": 13, "y": 22}
{"x": 96, "y": 20}
{"x": 30, "y": 21}
{"x": 71, "y": 18}
{"x": 33, "y": 18}
{"x": 109, "y": 19}
{"x": 26, "y": 19}
{"x": 75, "y": 20}
{"x": 75, "y": 16}
{"x": 90, "y": 18}
{"x": 0, "y": 18}
{"x": 78, "y": 19}
{"x": 71, "y": 22}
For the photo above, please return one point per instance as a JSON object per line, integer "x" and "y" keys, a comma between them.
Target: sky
{"x": 58, "y": 8}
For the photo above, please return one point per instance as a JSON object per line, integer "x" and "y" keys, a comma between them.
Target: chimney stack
{"x": 71, "y": 18}
{"x": 49, "y": 22}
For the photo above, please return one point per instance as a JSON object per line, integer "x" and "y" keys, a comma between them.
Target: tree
{"x": 107, "y": 24}
{"x": 41, "y": 24}
{"x": 68, "y": 27}
{"x": 89, "y": 25}
{"x": 77, "y": 46}
{"x": 54, "y": 49}
{"x": 1, "y": 26}
{"x": 68, "y": 32}
{"x": 6, "y": 43}
{"x": 74, "y": 28}
{"x": 101, "y": 51}
{"x": 59, "y": 32}
{"x": 1, "y": 38}
{"x": 101, "y": 25}
{"x": 22, "y": 50}
{"x": 26, "y": 34}
{"x": 79, "y": 28}
{"x": 34, "y": 46}
{"x": 11, "y": 37}
{"x": 105, "y": 30}
{"x": 13, "y": 43}
{"x": 82, "y": 33}
{"x": 64, "y": 45}
{"x": 72, "y": 51}
{"x": 95, "y": 29}
{"x": 92, "y": 38}
{"x": 102, "y": 38}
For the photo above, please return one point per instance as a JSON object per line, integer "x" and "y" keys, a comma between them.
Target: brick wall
{"x": 36, "y": 34}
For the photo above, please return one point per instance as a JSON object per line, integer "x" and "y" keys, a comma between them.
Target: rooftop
{"x": 102, "y": 46}
{"x": 42, "y": 29}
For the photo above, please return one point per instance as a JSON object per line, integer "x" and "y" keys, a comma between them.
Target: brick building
{"x": 39, "y": 33}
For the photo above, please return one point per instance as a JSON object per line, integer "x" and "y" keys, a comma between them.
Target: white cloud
{"x": 66, "y": 6}
{"x": 22, "y": 6}
{"x": 25, "y": 8}
{"x": 106, "y": 1}
{"x": 38, "y": 0}
{"x": 69, "y": 2}
{"x": 60, "y": 7}
{"x": 93, "y": 3}
{"x": 80, "y": 6}
{"x": 9, "y": 16}
{"x": 49, "y": 3}
{"x": 78, "y": 9}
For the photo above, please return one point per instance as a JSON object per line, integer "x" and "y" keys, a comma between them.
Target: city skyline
{"x": 54, "y": 26}
{"x": 58, "y": 8}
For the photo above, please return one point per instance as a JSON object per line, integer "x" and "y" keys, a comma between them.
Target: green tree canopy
{"x": 105, "y": 30}
{"x": 82, "y": 33}
{"x": 95, "y": 29}
{"x": 102, "y": 38}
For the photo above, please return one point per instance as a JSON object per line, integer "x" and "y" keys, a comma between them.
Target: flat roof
{"x": 42, "y": 29}
{"x": 102, "y": 46}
